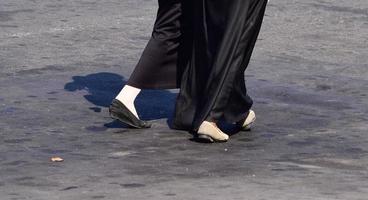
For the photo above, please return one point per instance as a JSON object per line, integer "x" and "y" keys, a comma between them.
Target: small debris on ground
{"x": 57, "y": 159}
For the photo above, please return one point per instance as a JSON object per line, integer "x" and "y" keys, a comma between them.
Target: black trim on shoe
{"x": 241, "y": 122}
{"x": 203, "y": 138}
{"x": 120, "y": 112}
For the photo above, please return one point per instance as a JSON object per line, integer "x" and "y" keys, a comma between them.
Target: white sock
{"x": 127, "y": 96}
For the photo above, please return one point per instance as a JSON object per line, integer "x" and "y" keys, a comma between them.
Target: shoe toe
{"x": 207, "y": 130}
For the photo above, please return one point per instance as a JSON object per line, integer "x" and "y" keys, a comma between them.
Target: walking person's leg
{"x": 157, "y": 67}
{"x": 127, "y": 96}
{"x": 213, "y": 86}
{"x": 234, "y": 104}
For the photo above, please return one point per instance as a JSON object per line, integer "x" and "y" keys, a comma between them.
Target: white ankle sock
{"x": 127, "y": 96}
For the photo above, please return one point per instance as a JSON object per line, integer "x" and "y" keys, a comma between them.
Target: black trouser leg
{"x": 157, "y": 67}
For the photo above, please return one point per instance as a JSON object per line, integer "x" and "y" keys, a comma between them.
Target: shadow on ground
{"x": 103, "y": 87}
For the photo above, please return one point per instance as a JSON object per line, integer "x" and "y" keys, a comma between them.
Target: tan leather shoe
{"x": 246, "y": 123}
{"x": 210, "y": 133}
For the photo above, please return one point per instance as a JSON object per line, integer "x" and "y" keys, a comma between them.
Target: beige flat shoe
{"x": 210, "y": 133}
{"x": 246, "y": 124}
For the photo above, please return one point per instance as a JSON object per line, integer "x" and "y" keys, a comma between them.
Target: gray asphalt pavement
{"x": 62, "y": 62}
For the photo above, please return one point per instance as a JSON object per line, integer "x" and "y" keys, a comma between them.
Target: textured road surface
{"x": 62, "y": 62}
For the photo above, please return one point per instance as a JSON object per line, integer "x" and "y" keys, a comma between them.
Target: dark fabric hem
{"x": 153, "y": 86}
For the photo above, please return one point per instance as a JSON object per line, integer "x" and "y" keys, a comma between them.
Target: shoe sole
{"x": 123, "y": 120}
{"x": 208, "y": 139}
